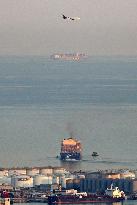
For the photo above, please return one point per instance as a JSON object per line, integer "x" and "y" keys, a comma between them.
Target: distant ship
{"x": 95, "y": 154}
{"x": 73, "y": 197}
{"x": 69, "y": 56}
{"x": 70, "y": 149}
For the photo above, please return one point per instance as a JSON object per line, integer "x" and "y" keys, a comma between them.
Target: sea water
{"x": 117, "y": 203}
{"x": 43, "y": 101}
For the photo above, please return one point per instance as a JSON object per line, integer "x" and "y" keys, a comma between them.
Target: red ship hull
{"x": 84, "y": 200}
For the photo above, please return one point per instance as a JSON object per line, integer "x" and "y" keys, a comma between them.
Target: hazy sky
{"x": 35, "y": 27}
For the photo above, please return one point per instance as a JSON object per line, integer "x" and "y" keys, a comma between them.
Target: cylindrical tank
{"x": 134, "y": 189}
{"x": 5, "y": 180}
{"x": 54, "y": 187}
{"x": 127, "y": 174}
{"x": 76, "y": 181}
{"x": 135, "y": 172}
{"x": 127, "y": 186}
{"x": 55, "y": 179}
{"x": 42, "y": 179}
{"x": 12, "y": 172}
{"x": 113, "y": 176}
{"x": 22, "y": 181}
{"x": 32, "y": 171}
{"x": 81, "y": 176}
{"x": 46, "y": 171}
{"x": 68, "y": 183}
{"x": 61, "y": 177}
{"x": 65, "y": 181}
{"x": 59, "y": 170}
{"x": 4, "y": 172}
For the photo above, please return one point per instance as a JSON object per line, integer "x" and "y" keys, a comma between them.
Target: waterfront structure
{"x": 42, "y": 179}
{"x": 4, "y": 172}
{"x": 16, "y": 171}
{"x": 127, "y": 174}
{"x": 100, "y": 185}
{"x": 5, "y": 180}
{"x": 59, "y": 171}
{"x": 55, "y": 179}
{"x": 32, "y": 171}
{"x": 119, "y": 175}
{"x": 6, "y": 187}
{"x": 58, "y": 176}
{"x": 21, "y": 181}
{"x": 46, "y": 170}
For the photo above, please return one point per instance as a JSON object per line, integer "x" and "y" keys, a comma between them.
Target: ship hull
{"x": 70, "y": 156}
{"x": 83, "y": 200}
{"x": 69, "y": 57}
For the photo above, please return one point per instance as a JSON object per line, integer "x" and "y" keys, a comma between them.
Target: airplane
{"x": 70, "y": 18}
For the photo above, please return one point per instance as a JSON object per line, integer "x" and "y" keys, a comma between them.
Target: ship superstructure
{"x": 74, "y": 197}
{"x": 114, "y": 192}
{"x": 70, "y": 149}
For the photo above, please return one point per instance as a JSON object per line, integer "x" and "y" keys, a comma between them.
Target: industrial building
{"x": 100, "y": 185}
{"x": 101, "y": 180}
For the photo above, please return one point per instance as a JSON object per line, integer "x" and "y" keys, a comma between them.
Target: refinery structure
{"x": 39, "y": 184}
{"x": 33, "y": 184}
{"x": 34, "y": 176}
{"x": 59, "y": 176}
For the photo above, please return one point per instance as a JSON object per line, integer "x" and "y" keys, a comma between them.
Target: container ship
{"x": 74, "y": 197}
{"x": 70, "y": 149}
{"x": 69, "y": 56}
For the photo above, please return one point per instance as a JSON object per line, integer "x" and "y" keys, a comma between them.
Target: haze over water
{"x": 42, "y": 101}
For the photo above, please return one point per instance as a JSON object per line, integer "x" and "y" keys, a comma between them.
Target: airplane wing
{"x": 70, "y": 18}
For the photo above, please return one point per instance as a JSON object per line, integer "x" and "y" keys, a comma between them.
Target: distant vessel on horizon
{"x": 95, "y": 154}
{"x": 70, "y": 149}
{"x": 68, "y": 56}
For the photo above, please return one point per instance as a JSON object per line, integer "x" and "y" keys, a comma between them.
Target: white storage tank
{"x": 42, "y": 179}
{"x": 17, "y": 171}
{"x": 5, "y": 180}
{"x": 59, "y": 170}
{"x": 22, "y": 181}
{"x": 3, "y": 172}
{"x": 46, "y": 171}
{"x": 135, "y": 172}
{"x": 134, "y": 186}
{"x": 65, "y": 180}
{"x": 81, "y": 176}
{"x": 127, "y": 174}
{"x": 55, "y": 180}
{"x": 32, "y": 171}
{"x": 71, "y": 176}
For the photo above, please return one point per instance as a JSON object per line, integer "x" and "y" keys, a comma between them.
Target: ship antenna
{"x": 112, "y": 186}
